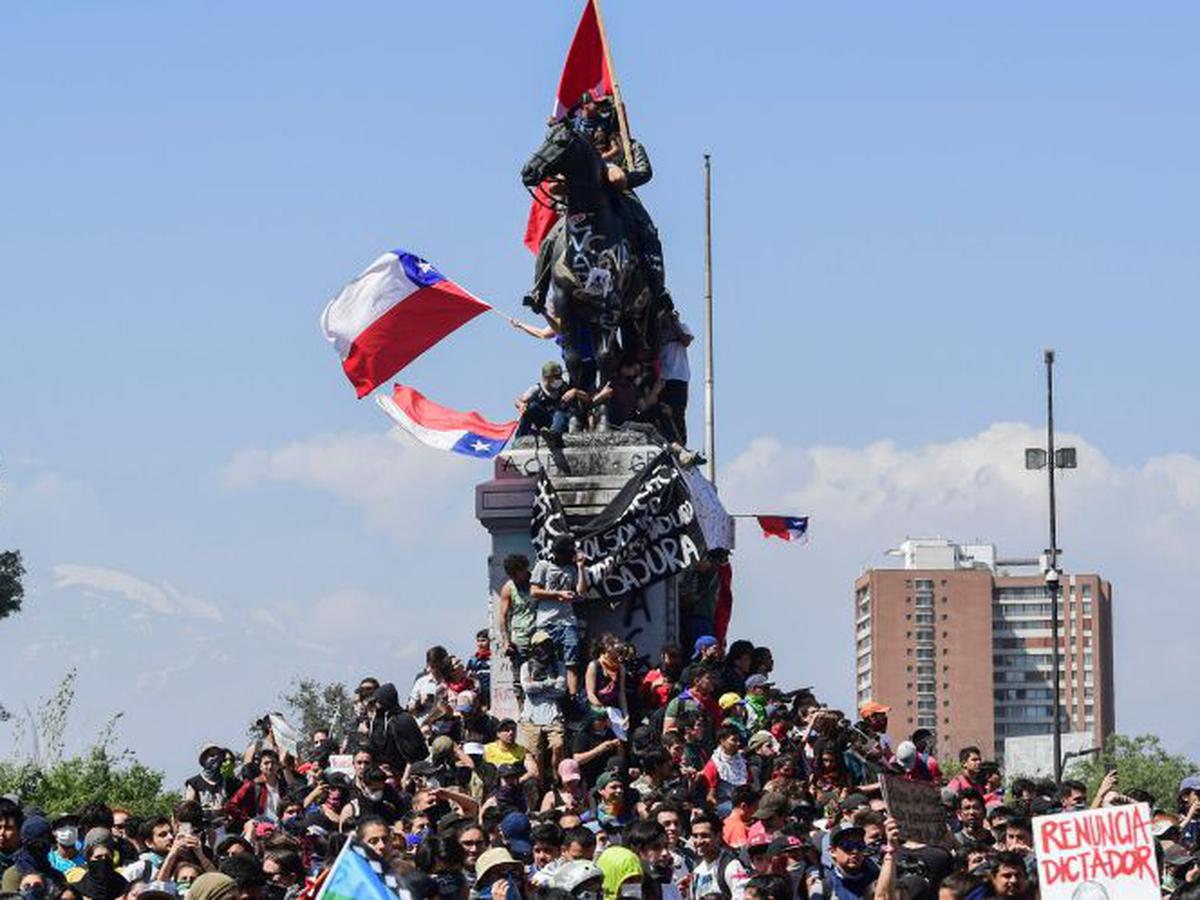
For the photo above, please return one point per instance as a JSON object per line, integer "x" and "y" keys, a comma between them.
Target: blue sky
{"x": 910, "y": 204}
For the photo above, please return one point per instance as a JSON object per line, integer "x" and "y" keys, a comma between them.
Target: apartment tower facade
{"x": 958, "y": 641}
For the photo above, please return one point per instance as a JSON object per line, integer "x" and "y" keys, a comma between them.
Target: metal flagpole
{"x": 622, "y": 119}
{"x": 710, "y": 437}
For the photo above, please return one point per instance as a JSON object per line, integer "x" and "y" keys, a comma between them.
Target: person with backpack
{"x": 718, "y": 869}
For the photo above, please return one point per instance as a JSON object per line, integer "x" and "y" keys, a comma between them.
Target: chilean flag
{"x": 398, "y": 308}
{"x": 586, "y": 69}
{"x": 790, "y": 528}
{"x": 443, "y": 428}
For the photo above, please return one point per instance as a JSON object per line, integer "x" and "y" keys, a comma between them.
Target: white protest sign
{"x": 342, "y": 764}
{"x": 1092, "y": 854}
{"x": 285, "y": 735}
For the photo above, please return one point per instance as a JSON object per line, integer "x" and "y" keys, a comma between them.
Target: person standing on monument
{"x": 556, "y": 584}
{"x": 518, "y": 610}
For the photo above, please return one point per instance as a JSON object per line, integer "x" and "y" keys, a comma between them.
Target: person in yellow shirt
{"x": 505, "y": 748}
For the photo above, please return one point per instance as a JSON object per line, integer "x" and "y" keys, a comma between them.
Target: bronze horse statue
{"x": 600, "y": 293}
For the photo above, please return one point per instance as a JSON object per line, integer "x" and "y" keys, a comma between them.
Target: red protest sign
{"x": 1106, "y": 852}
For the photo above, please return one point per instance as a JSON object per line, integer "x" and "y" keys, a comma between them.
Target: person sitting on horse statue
{"x": 596, "y": 120}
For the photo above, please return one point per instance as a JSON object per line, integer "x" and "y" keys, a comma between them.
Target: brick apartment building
{"x": 955, "y": 641}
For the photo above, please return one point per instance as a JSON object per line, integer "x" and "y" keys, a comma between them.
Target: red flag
{"x": 586, "y": 69}
{"x": 541, "y": 219}
{"x": 724, "y": 610}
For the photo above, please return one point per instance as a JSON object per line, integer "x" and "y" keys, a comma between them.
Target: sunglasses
{"x": 852, "y": 847}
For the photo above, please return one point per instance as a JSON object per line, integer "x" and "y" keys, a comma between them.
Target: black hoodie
{"x": 396, "y": 738}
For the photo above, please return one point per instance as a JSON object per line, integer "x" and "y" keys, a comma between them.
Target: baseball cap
{"x": 160, "y": 890}
{"x": 785, "y": 843}
{"x": 854, "y": 801}
{"x": 728, "y": 700}
{"x": 515, "y": 827}
{"x": 607, "y": 778}
{"x": 551, "y": 369}
{"x": 539, "y": 637}
{"x": 568, "y": 771}
{"x": 702, "y": 644}
{"x": 906, "y": 754}
{"x": 871, "y": 707}
{"x": 844, "y": 832}
{"x": 758, "y": 836}
{"x": 758, "y": 681}
{"x": 464, "y": 701}
{"x": 760, "y": 739}
{"x": 1191, "y": 783}
{"x": 770, "y": 805}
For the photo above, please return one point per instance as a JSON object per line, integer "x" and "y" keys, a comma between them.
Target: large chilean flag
{"x": 439, "y": 426}
{"x": 398, "y": 308}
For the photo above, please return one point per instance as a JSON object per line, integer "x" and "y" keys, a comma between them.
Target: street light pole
{"x": 1051, "y": 458}
{"x": 1052, "y": 580}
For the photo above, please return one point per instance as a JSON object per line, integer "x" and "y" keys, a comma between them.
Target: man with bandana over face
{"x": 32, "y": 855}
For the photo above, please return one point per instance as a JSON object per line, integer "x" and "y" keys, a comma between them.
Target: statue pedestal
{"x": 588, "y": 471}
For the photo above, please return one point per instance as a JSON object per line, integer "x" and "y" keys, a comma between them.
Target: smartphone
{"x": 186, "y": 828}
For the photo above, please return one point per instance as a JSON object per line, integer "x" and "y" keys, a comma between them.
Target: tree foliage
{"x": 316, "y": 706}
{"x": 1141, "y": 763}
{"x": 12, "y": 588}
{"x": 41, "y": 775}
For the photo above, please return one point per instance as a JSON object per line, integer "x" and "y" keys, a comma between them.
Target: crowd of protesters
{"x": 688, "y": 777}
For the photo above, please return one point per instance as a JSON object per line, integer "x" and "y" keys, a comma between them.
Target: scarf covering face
{"x": 730, "y": 769}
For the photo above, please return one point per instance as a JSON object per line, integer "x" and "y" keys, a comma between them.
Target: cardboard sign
{"x": 917, "y": 808}
{"x": 1097, "y": 853}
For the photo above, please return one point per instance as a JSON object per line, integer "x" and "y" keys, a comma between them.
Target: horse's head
{"x": 550, "y": 159}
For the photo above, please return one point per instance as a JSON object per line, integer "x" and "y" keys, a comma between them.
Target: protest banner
{"x": 286, "y": 738}
{"x": 648, "y": 532}
{"x": 917, "y": 808}
{"x": 341, "y": 764}
{"x": 1097, "y": 853}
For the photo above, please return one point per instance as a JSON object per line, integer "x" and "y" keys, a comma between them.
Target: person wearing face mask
{"x": 34, "y": 887}
{"x": 32, "y": 855}
{"x": 556, "y": 585}
{"x": 65, "y": 854}
{"x": 210, "y": 787}
{"x": 101, "y": 881}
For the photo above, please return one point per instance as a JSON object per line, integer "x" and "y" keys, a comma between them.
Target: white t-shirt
{"x": 674, "y": 359}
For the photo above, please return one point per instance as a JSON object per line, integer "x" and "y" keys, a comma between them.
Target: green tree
{"x": 12, "y": 589}
{"x": 1141, "y": 764}
{"x": 316, "y": 706}
{"x": 40, "y": 775}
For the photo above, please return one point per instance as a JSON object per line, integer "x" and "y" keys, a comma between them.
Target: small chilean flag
{"x": 392, "y": 313}
{"x": 790, "y": 528}
{"x": 443, "y": 428}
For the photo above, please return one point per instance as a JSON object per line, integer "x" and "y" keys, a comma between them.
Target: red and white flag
{"x": 586, "y": 69}
{"x": 398, "y": 308}
{"x": 789, "y": 528}
{"x": 444, "y": 428}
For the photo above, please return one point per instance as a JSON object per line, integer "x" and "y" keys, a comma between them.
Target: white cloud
{"x": 1137, "y": 526}
{"x": 164, "y": 598}
{"x": 396, "y": 482}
